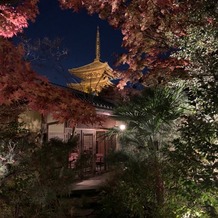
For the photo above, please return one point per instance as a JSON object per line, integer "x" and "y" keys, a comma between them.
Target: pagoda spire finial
{"x": 97, "y": 57}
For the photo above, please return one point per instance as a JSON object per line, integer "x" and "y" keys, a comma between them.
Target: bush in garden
{"x": 36, "y": 180}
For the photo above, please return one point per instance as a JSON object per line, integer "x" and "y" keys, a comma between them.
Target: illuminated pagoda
{"x": 94, "y": 76}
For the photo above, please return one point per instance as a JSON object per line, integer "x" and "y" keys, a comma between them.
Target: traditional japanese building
{"x": 95, "y": 75}
{"x": 92, "y": 139}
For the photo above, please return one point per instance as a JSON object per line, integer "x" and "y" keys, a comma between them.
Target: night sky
{"x": 78, "y": 34}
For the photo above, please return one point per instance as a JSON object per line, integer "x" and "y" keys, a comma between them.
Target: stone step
{"x": 85, "y": 192}
{"x": 83, "y": 213}
{"x": 84, "y": 203}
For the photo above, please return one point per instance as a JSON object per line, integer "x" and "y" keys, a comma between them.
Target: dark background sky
{"x": 78, "y": 34}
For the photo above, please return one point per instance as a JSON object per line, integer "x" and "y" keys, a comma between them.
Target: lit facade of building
{"x": 91, "y": 138}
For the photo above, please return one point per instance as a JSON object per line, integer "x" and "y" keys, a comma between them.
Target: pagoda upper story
{"x": 95, "y": 76}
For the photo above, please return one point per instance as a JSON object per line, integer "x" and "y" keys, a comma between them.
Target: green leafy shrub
{"x": 36, "y": 180}
{"x": 132, "y": 192}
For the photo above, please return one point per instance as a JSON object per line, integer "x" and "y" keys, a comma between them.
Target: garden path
{"x": 85, "y": 196}
{"x": 94, "y": 182}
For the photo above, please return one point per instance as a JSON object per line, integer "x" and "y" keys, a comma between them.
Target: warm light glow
{"x": 122, "y": 127}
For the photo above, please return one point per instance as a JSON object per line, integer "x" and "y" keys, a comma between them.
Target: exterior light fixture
{"x": 122, "y": 127}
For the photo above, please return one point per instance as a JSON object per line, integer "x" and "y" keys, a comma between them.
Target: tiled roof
{"x": 96, "y": 101}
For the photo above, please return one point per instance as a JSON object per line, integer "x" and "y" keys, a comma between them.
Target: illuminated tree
{"x": 20, "y": 85}
{"x": 147, "y": 27}
{"x": 14, "y": 15}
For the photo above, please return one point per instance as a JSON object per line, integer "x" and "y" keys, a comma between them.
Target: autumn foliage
{"x": 20, "y": 85}
{"x": 144, "y": 25}
{"x": 14, "y": 16}
{"x": 148, "y": 28}
{"x": 164, "y": 39}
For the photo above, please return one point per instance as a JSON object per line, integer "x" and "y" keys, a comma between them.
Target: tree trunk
{"x": 158, "y": 177}
{"x": 159, "y": 186}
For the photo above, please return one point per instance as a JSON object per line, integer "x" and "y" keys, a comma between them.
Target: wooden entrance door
{"x": 100, "y": 142}
{"x": 88, "y": 142}
{"x": 89, "y": 147}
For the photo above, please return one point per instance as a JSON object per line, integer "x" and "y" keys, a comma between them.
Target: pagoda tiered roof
{"x": 95, "y": 75}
